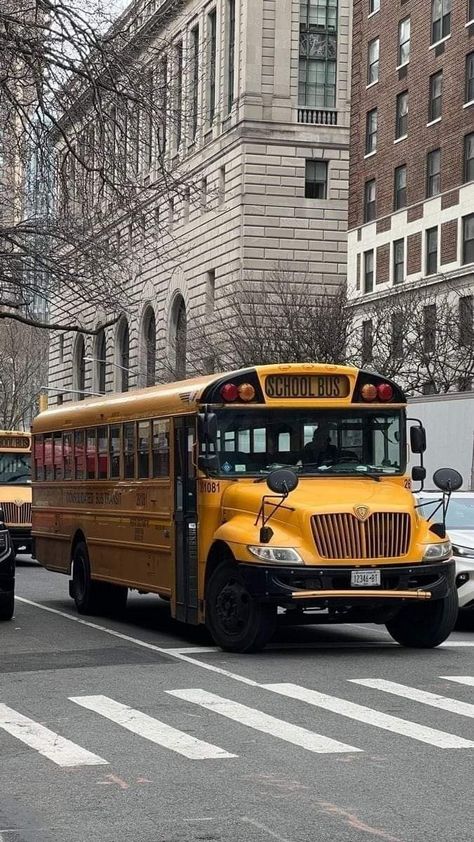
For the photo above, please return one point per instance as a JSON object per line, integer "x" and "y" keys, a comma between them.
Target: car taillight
{"x": 229, "y": 392}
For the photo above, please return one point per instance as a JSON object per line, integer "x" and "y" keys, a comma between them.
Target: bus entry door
{"x": 186, "y": 537}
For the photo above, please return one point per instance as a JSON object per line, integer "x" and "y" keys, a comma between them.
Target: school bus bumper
{"x": 317, "y": 585}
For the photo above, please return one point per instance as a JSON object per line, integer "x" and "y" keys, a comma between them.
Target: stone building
{"x": 265, "y": 139}
{"x": 411, "y": 206}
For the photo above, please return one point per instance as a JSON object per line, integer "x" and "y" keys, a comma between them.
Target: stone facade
{"x": 252, "y": 214}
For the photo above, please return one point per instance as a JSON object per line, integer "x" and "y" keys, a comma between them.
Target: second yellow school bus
{"x": 15, "y": 486}
{"x": 232, "y": 495}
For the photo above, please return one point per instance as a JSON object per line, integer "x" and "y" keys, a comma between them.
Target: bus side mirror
{"x": 447, "y": 480}
{"x": 207, "y": 427}
{"x": 208, "y": 464}
{"x": 418, "y": 439}
{"x": 418, "y": 474}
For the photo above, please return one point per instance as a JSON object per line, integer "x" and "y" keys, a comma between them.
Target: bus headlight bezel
{"x": 275, "y": 555}
{"x": 438, "y": 552}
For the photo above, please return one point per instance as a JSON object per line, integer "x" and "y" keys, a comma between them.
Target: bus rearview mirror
{"x": 418, "y": 439}
{"x": 207, "y": 427}
{"x": 208, "y": 464}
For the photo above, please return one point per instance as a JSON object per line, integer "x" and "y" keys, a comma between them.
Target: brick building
{"x": 270, "y": 153}
{"x": 411, "y": 206}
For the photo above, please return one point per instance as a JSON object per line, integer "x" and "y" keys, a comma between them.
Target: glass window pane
{"x": 144, "y": 437}
{"x": 129, "y": 450}
{"x": 115, "y": 449}
{"x": 161, "y": 448}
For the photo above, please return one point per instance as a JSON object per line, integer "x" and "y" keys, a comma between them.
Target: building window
{"x": 79, "y": 371}
{"x": 466, "y": 321}
{"x": 369, "y": 201}
{"x": 436, "y": 96}
{"x": 468, "y": 239}
{"x": 179, "y": 337}
{"x": 316, "y": 180}
{"x": 61, "y": 348}
{"x": 194, "y": 80}
{"x": 469, "y": 157}
{"x": 398, "y": 330}
{"x": 373, "y": 61}
{"x": 100, "y": 358}
{"x": 429, "y": 388}
{"x": 179, "y": 92}
{"x": 398, "y": 261}
{"x": 400, "y": 188}
{"x": 210, "y": 291}
{"x": 432, "y": 251}
{"x": 369, "y": 271}
{"x": 404, "y": 41}
{"x": 374, "y": 6}
{"x": 230, "y": 54}
{"x": 212, "y": 53}
{"x": 222, "y": 185}
{"x": 470, "y": 77}
{"x": 318, "y": 53}
{"x": 367, "y": 342}
{"x": 203, "y": 193}
{"x": 149, "y": 345}
{"x": 123, "y": 355}
{"x": 429, "y": 328}
{"x": 371, "y": 132}
{"x": 470, "y": 11}
{"x": 433, "y": 173}
{"x": 440, "y": 19}
{"x": 401, "y": 125}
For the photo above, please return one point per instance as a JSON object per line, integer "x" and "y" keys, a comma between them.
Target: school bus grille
{"x": 382, "y": 535}
{"x": 15, "y": 515}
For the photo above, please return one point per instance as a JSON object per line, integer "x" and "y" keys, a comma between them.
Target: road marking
{"x": 263, "y": 722}
{"x": 460, "y": 679}
{"x": 432, "y": 699}
{"x": 265, "y": 829}
{"x": 151, "y": 729}
{"x": 61, "y": 751}
{"x": 423, "y": 733}
{"x": 456, "y": 643}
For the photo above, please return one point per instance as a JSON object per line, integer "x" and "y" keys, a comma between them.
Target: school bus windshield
{"x": 315, "y": 442}
{"x": 15, "y": 468}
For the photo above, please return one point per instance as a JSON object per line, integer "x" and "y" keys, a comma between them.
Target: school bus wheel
{"x": 427, "y": 625}
{"x": 236, "y": 621}
{"x": 94, "y": 597}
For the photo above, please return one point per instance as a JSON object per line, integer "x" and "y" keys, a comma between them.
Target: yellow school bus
{"x": 15, "y": 486}
{"x": 233, "y": 495}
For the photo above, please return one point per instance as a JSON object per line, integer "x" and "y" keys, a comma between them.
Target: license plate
{"x": 365, "y": 578}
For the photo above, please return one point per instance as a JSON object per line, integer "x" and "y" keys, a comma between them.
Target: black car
{"x": 7, "y": 572}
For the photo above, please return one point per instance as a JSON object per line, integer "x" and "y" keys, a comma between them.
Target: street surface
{"x": 141, "y": 731}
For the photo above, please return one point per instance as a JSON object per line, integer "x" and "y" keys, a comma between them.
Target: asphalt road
{"x": 141, "y": 731}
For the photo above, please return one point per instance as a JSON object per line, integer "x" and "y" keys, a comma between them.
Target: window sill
{"x": 432, "y": 122}
{"x": 371, "y": 14}
{"x": 370, "y": 154}
{"x": 469, "y": 23}
{"x": 399, "y": 139}
{"x": 371, "y": 84}
{"x": 405, "y": 64}
{"x": 468, "y": 104}
{"x": 441, "y": 41}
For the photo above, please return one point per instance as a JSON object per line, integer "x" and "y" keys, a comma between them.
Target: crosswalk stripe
{"x": 460, "y": 679}
{"x": 61, "y": 751}
{"x": 423, "y": 733}
{"x": 151, "y": 729}
{"x": 263, "y": 722}
{"x": 433, "y": 699}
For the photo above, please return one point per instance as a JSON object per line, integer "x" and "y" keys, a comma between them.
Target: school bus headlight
{"x": 438, "y": 552}
{"x": 278, "y": 555}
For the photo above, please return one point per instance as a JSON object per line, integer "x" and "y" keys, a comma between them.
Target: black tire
{"x": 427, "y": 625}
{"x": 236, "y": 621}
{"x": 86, "y": 594}
{"x": 7, "y": 605}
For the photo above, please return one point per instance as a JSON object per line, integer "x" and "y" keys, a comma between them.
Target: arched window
{"x": 100, "y": 357}
{"x": 123, "y": 355}
{"x": 149, "y": 346}
{"x": 179, "y": 337}
{"x": 79, "y": 371}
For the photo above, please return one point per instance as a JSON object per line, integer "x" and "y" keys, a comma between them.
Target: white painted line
{"x": 265, "y": 829}
{"x": 192, "y": 650}
{"x": 46, "y": 742}
{"x": 441, "y": 739}
{"x": 460, "y": 679}
{"x": 449, "y": 643}
{"x": 432, "y": 699}
{"x": 263, "y": 722}
{"x": 151, "y": 729}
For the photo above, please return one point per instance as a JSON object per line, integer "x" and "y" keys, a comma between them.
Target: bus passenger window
{"x": 91, "y": 453}
{"x": 102, "y": 453}
{"x": 39, "y": 458}
{"x": 129, "y": 450}
{"x": 67, "y": 450}
{"x": 58, "y": 456}
{"x": 143, "y": 449}
{"x": 48, "y": 458}
{"x": 79, "y": 454}
{"x": 161, "y": 448}
{"x": 115, "y": 450}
